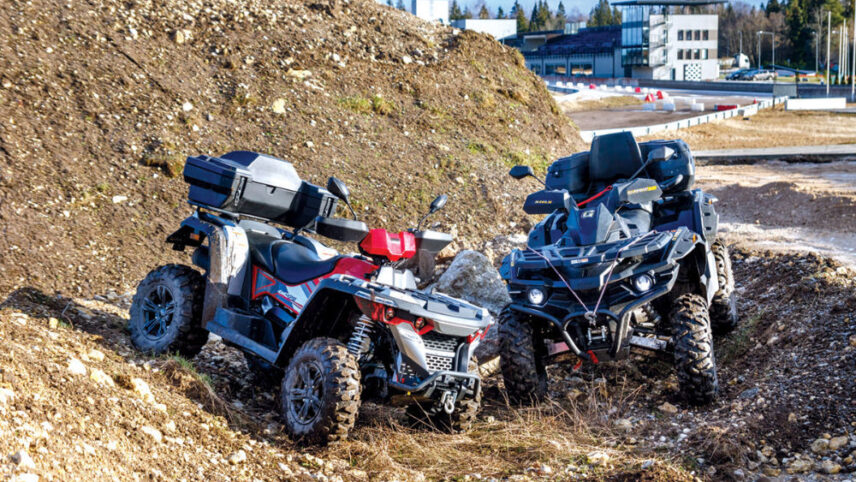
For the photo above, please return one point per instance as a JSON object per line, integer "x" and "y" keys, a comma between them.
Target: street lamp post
{"x": 828, "y": 46}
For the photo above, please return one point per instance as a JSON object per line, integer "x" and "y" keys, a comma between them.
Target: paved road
{"x": 828, "y": 153}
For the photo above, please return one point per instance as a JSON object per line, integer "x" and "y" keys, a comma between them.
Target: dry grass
{"x": 612, "y": 102}
{"x": 769, "y": 128}
{"x": 563, "y": 434}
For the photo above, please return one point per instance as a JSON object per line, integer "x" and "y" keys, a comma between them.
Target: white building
{"x": 431, "y": 10}
{"x": 498, "y": 28}
{"x": 657, "y": 39}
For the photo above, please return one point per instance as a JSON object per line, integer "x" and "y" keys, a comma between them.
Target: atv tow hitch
{"x": 448, "y": 401}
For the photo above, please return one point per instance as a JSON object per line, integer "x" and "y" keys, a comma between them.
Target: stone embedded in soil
{"x": 667, "y": 407}
{"x": 853, "y": 340}
{"x": 237, "y": 457}
{"x": 820, "y": 446}
{"x": 142, "y": 389}
{"x": 836, "y": 443}
{"x": 95, "y": 355}
{"x": 6, "y": 396}
{"x": 624, "y": 425}
{"x": 829, "y": 467}
{"x": 76, "y": 367}
{"x": 598, "y": 458}
{"x": 22, "y": 459}
{"x": 799, "y": 466}
{"x": 152, "y": 432}
{"x": 750, "y": 393}
{"x": 278, "y": 106}
{"x": 100, "y": 377}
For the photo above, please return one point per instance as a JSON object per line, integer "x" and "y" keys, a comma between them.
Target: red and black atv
{"x": 342, "y": 327}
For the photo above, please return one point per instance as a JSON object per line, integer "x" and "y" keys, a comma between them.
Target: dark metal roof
{"x": 689, "y": 3}
{"x": 588, "y": 40}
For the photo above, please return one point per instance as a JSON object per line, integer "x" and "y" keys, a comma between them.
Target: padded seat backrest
{"x": 613, "y": 156}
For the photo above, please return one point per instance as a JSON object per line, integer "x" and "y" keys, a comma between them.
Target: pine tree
{"x": 483, "y": 13}
{"x": 389, "y": 3}
{"x": 522, "y": 23}
{"x": 400, "y": 5}
{"x": 500, "y": 13}
{"x": 455, "y": 12}
{"x": 545, "y": 16}
{"x": 468, "y": 13}
{"x": 773, "y": 7}
{"x": 533, "y": 19}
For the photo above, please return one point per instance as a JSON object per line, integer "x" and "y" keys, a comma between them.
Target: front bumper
{"x": 463, "y": 385}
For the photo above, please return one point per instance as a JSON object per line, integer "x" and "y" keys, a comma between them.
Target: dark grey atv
{"x": 627, "y": 256}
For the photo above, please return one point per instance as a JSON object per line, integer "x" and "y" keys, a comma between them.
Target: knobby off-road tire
{"x": 326, "y": 377}
{"x": 523, "y": 372}
{"x": 723, "y": 307}
{"x": 460, "y": 420}
{"x": 694, "y": 359}
{"x": 166, "y": 312}
{"x": 263, "y": 373}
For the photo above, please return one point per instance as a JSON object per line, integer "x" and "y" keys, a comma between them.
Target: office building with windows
{"x": 657, "y": 39}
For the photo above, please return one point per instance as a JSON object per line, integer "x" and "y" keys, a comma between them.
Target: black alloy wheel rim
{"x": 158, "y": 312}
{"x": 304, "y": 392}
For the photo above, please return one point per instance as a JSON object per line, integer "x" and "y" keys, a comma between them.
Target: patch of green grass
{"x": 190, "y": 368}
{"x": 103, "y": 187}
{"x": 476, "y": 147}
{"x": 360, "y": 105}
{"x": 537, "y": 160}
{"x": 737, "y": 343}
{"x": 382, "y": 106}
{"x": 170, "y": 164}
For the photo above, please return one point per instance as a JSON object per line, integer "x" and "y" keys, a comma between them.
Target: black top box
{"x": 258, "y": 185}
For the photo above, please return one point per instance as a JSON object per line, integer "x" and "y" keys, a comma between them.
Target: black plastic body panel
{"x": 252, "y": 184}
{"x": 340, "y": 229}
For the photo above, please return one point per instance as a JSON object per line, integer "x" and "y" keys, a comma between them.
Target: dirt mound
{"x": 101, "y": 103}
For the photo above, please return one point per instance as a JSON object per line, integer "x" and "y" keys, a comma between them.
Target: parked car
{"x": 736, "y": 75}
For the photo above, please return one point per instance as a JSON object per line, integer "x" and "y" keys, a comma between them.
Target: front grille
{"x": 440, "y": 342}
{"x": 437, "y": 363}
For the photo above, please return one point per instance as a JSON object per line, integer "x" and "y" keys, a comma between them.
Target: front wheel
{"x": 321, "y": 392}
{"x": 166, "y": 312}
{"x": 694, "y": 359}
{"x": 523, "y": 372}
{"x": 723, "y": 307}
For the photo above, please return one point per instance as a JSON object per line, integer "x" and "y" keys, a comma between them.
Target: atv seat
{"x": 613, "y": 157}
{"x": 288, "y": 261}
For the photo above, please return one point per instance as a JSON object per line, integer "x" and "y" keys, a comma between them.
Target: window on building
{"x": 680, "y": 54}
{"x": 704, "y": 35}
{"x": 698, "y": 34}
{"x": 695, "y": 54}
{"x": 704, "y": 54}
{"x": 680, "y": 34}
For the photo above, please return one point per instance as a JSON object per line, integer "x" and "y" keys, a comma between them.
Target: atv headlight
{"x": 643, "y": 283}
{"x": 535, "y": 296}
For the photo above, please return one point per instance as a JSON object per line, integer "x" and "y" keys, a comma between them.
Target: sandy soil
{"x": 801, "y": 207}
{"x": 769, "y": 128}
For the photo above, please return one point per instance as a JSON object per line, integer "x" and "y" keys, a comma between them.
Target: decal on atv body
{"x": 294, "y": 297}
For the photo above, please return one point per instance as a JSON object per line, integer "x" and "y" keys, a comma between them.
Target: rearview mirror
{"x": 519, "y": 172}
{"x": 438, "y": 203}
{"x": 661, "y": 154}
{"x": 338, "y": 188}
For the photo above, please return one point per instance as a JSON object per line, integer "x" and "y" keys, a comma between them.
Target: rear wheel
{"x": 166, "y": 312}
{"x": 460, "y": 420}
{"x": 723, "y": 307}
{"x": 321, "y": 392}
{"x": 523, "y": 372}
{"x": 694, "y": 359}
